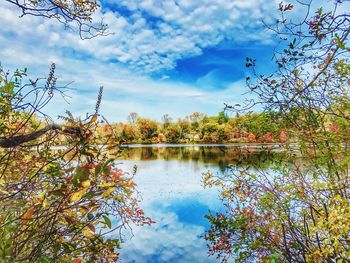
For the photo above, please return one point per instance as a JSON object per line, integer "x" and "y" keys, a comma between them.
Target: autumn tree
{"x": 173, "y": 133}
{"x": 147, "y": 129}
{"x": 298, "y": 210}
{"x": 60, "y": 192}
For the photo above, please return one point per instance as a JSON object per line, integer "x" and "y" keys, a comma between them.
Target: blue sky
{"x": 164, "y": 57}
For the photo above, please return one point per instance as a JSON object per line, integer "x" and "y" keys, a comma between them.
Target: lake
{"x": 169, "y": 179}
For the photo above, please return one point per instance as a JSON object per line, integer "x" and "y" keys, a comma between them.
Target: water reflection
{"x": 170, "y": 182}
{"x": 220, "y": 155}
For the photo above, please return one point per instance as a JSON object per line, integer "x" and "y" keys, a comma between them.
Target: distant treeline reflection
{"x": 218, "y": 155}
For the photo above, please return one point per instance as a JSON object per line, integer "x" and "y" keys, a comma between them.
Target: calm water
{"x": 170, "y": 183}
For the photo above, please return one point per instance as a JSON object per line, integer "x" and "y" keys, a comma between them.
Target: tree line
{"x": 263, "y": 127}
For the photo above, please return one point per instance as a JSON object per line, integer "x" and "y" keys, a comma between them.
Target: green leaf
{"x": 107, "y": 221}
{"x": 273, "y": 258}
{"x": 81, "y": 175}
{"x": 44, "y": 259}
{"x": 109, "y": 162}
{"x": 339, "y": 42}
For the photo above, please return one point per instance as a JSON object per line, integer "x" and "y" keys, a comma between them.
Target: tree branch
{"x": 20, "y": 139}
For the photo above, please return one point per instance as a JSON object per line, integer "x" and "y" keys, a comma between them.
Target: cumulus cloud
{"x": 168, "y": 241}
{"x": 151, "y": 38}
{"x": 158, "y": 33}
{"x": 154, "y": 34}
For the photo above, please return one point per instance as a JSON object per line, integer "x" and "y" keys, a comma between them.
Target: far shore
{"x": 242, "y": 144}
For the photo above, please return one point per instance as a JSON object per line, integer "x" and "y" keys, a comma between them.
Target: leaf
{"x": 98, "y": 169}
{"x": 103, "y": 185}
{"x": 44, "y": 259}
{"x": 273, "y": 258}
{"x": 58, "y": 192}
{"x": 29, "y": 214}
{"x": 87, "y": 234}
{"x": 77, "y": 195}
{"x": 104, "y": 166}
{"x": 82, "y": 174}
{"x": 108, "y": 192}
{"x": 4, "y": 192}
{"x": 93, "y": 119}
{"x": 92, "y": 228}
{"x": 86, "y": 183}
{"x": 107, "y": 221}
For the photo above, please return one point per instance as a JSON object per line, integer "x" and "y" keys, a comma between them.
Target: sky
{"x": 162, "y": 57}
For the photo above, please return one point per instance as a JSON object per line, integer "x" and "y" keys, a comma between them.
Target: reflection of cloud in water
{"x": 173, "y": 196}
{"x": 160, "y": 179}
{"x": 167, "y": 241}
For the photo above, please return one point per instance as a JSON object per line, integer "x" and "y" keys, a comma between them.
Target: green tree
{"x": 222, "y": 117}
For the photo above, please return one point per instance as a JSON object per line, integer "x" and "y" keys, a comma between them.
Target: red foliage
{"x": 251, "y": 137}
{"x": 283, "y": 137}
{"x": 267, "y": 137}
{"x": 161, "y": 137}
{"x": 335, "y": 128}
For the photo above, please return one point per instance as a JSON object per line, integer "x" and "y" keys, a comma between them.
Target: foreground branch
{"x": 20, "y": 139}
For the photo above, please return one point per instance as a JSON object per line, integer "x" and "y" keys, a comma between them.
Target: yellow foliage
{"x": 75, "y": 197}
{"x": 28, "y": 214}
{"x": 108, "y": 192}
{"x": 86, "y": 183}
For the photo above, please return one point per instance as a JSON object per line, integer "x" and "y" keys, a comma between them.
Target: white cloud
{"x": 34, "y": 42}
{"x": 181, "y": 29}
{"x": 167, "y": 241}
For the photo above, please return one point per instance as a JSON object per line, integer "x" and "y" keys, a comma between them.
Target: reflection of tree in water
{"x": 223, "y": 156}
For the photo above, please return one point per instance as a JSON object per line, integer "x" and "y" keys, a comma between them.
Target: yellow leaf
{"x": 4, "y": 192}
{"x": 86, "y": 183}
{"x": 29, "y": 214}
{"x": 45, "y": 203}
{"x": 83, "y": 210}
{"x": 92, "y": 228}
{"x": 108, "y": 192}
{"x": 106, "y": 184}
{"x": 87, "y": 234}
{"x": 77, "y": 195}
{"x": 93, "y": 119}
